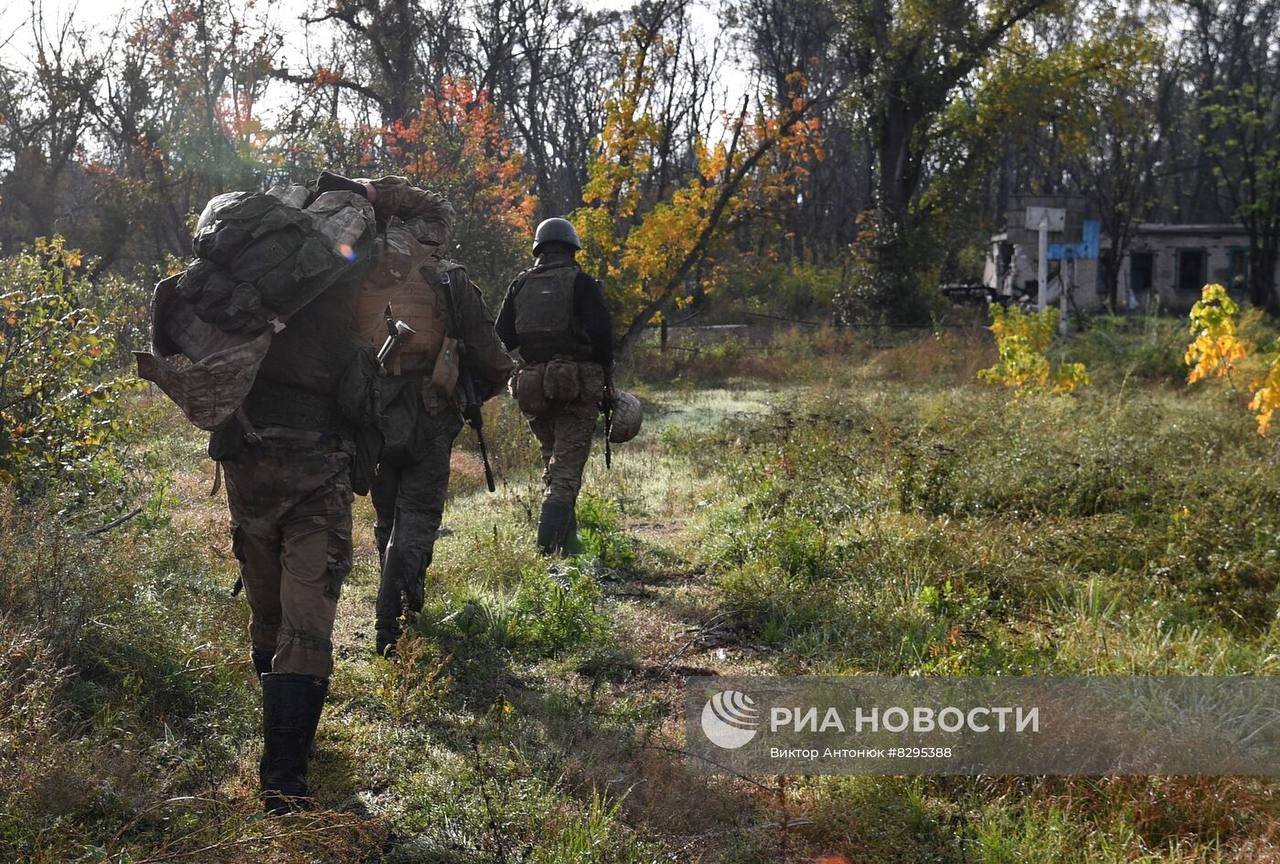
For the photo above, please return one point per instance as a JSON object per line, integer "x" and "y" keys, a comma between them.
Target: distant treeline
{"x": 874, "y": 142}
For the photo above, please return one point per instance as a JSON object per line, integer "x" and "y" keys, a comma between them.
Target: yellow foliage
{"x": 1219, "y": 348}
{"x": 1022, "y": 341}
{"x": 1216, "y": 345}
{"x": 1266, "y": 399}
{"x": 637, "y": 235}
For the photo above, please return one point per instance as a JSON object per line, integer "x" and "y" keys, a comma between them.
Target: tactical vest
{"x": 407, "y": 277}
{"x": 545, "y": 319}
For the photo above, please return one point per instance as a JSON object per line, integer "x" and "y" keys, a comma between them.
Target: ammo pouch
{"x": 560, "y": 381}
{"x": 398, "y": 419}
{"x": 527, "y": 388}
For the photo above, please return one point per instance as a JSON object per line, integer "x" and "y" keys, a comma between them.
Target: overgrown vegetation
{"x": 864, "y": 510}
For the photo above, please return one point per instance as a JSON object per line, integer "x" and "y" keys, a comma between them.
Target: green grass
{"x": 827, "y": 507}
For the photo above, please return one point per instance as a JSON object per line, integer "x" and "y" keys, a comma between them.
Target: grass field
{"x": 826, "y": 506}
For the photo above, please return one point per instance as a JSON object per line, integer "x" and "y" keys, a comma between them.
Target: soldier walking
{"x": 288, "y": 457}
{"x": 555, "y": 316}
{"x": 451, "y": 356}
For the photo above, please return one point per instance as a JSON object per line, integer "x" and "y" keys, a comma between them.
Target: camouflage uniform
{"x": 564, "y": 436}
{"x": 554, "y": 314}
{"x": 290, "y": 461}
{"x": 290, "y": 500}
{"x": 419, "y": 427}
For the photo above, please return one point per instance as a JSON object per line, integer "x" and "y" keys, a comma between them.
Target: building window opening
{"x": 1191, "y": 271}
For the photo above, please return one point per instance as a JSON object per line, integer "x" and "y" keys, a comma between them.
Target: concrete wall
{"x": 1165, "y": 246}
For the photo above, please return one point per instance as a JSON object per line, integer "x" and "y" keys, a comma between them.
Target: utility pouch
{"x": 528, "y": 390}
{"x": 226, "y": 443}
{"x": 560, "y": 381}
{"x": 398, "y": 423}
{"x": 444, "y": 375}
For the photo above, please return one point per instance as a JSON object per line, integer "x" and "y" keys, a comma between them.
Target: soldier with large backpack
{"x": 449, "y": 364}
{"x": 555, "y": 315}
{"x": 277, "y": 371}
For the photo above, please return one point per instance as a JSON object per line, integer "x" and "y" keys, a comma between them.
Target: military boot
{"x": 291, "y": 706}
{"x": 401, "y": 587}
{"x": 553, "y": 522}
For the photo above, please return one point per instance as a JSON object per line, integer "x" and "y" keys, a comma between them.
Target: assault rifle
{"x": 471, "y": 404}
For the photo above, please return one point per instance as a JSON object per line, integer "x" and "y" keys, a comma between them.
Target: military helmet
{"x": 625, "y": 422}
{"x": 555, "y": 230}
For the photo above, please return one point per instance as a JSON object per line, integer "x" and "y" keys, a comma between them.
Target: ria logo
{"x": 729, "y": 719}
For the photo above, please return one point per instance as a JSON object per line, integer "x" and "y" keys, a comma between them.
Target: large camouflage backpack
{"x": 260, "y": 258}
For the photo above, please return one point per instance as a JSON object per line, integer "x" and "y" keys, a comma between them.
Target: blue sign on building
{"x": 1087, "y": 248}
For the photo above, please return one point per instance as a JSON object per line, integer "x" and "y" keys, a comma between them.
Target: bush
{"x": 121, "y": 681}
{"x": 547, "y": 615}
{"x": 59, "y": 408}
{"x": 602, "y": 535}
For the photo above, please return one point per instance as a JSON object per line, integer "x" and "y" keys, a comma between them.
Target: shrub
{"x": 59, "y": 409}
{"x": 1022, "y": 341}
{"x": 548, "y": 614}
{"x": 602, "y": 534}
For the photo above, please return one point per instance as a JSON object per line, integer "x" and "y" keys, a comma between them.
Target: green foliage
{"x": 1145, "y": 349}
{"x": 121, "y": 688}
{"x": 547, "y": 613}
{"x": 59, "y": 408}
{"x": 907, "y": 529}
{"x": 603, "y": 536}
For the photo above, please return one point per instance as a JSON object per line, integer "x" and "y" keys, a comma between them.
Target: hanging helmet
{"x": 625, "y": 422}
{"x": 555, "y": 230}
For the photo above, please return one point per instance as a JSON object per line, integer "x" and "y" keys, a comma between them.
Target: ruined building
{"x": 1164, "y": 267}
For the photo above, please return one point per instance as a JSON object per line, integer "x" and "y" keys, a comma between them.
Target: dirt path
{"x": 665, "y": 623}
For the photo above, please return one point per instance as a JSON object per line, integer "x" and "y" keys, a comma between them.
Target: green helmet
{"x": 555, "y": 230}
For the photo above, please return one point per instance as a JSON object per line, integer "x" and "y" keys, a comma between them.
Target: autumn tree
{"x": 548, "y": 63}
{"x": 645, "y": 233}
{"x": 1240, "y": 132}
{"x": 46, "y": 105}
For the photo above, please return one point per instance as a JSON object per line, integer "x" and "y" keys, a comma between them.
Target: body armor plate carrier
{"x": 545, "y": 320}
{"x": 407, "y": 277}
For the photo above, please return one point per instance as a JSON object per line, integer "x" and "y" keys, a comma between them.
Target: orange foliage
{"x": 638, "y": 241}
{"x": 455, "y": 143}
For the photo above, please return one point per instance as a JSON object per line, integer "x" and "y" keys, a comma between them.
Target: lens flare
{"x": 345, "y": 250}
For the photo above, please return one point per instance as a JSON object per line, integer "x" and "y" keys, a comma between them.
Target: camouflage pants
{"x": 564, "y": 434}
{"x": 408, "y": 495}
{"x": 290, "y": 502}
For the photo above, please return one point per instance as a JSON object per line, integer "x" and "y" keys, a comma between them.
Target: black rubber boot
{"x": 553, "y": 522}
{"x": 261, "y": 660}
{"x": 291, "y": 706}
